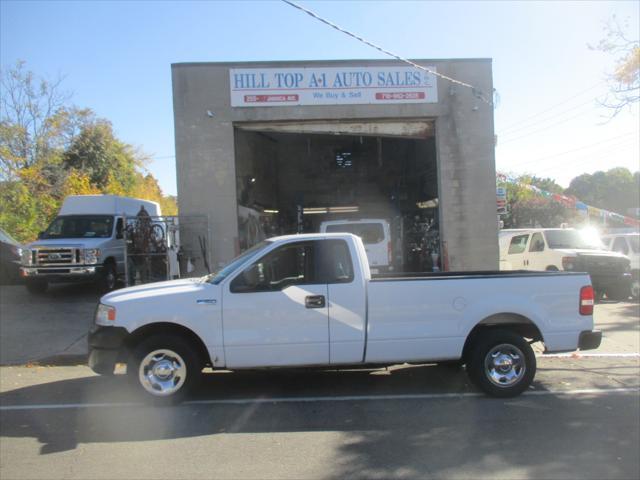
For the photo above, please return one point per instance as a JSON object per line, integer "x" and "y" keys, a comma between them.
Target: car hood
{"x": 69, "y": 242}
{"x": 160, "y": 292}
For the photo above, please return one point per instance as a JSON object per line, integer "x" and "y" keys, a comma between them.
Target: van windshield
{"x": 572, "y": 239}
{"x": 368, "y": 232}
{"x": 80, "y": 226}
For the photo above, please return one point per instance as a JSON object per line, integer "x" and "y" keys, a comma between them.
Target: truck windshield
{"x": 80, "y": 226}
{"x": 216, "y": 277}
{"x": 572, "y": 239}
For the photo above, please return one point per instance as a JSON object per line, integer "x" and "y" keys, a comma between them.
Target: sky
{"x": 116, "y": 58}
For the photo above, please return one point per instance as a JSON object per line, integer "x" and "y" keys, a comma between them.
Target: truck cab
{"x": 85, "y": 242}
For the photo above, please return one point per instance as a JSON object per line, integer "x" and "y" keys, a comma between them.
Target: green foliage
{"x": 617, "y": 189}
{"x": 50, "y": 149}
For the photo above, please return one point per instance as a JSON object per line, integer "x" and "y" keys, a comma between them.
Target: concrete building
{"x": 266, "y": 148}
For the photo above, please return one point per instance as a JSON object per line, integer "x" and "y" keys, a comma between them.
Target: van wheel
{"x": 502, "y": 363}
{"x": 165, "y": 368}
{"x": 108, "y": 278}
{"x": 37, "y": 287}
{"x": 619, "y": 293}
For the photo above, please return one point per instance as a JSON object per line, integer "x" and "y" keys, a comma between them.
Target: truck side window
{"x": 620, "y": 245}
{"x": 335, "y": 265}
{"x": 537, "y": 243}
{"x": 291, "y": 264}
{"x": 518, "y": 244}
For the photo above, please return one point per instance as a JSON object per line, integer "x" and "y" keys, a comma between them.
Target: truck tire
{"x": 635, "y": 284}
{"x": 37, "y": 286}
{"x": 165, "y": 368}
{"x": 108, "y": 278}
{"x": 501, "y": 363}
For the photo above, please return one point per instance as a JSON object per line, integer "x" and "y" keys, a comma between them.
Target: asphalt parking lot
{"x": 580, "y": 419}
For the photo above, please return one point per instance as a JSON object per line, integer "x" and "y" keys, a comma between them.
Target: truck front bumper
{"x": 105, "y": 348}
{"x": 62, "y": 274}
{"x": 589, "y": 340}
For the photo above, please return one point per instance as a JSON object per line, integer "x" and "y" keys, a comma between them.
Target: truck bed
{"x": 389, "y": 277}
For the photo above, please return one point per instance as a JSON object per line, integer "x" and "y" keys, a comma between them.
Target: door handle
{"x": 314, "y": 301}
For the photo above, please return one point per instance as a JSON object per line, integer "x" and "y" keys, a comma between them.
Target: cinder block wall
{"x": 205, "y": 150}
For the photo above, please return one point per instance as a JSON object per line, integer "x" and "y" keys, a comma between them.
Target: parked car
{"x": 84, "y": 242}
{"x": 566, "y": 249}
{"x": 309, "y": 300}
{"x": 10, "y": 252}
{"x": 627, "y": 244}
{"x": 376, "y": 235}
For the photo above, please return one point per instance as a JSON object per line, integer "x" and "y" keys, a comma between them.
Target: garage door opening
{"x": 377, "y": 180}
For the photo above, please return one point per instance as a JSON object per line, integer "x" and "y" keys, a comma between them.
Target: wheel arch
{"x": 169, "y": 328}
{"x": 513, "y": 322}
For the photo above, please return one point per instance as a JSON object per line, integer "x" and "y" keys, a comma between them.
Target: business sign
{"x": 501, "y": 200}
{"x": 271, "y": 87}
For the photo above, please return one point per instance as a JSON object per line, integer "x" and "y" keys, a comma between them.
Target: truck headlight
{"x": 105, "y": 314}
{"x": 25, "y": 256}
{"x": 91, "y": 255}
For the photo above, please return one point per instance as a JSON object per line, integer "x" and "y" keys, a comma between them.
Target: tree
{"x": 106, "y": 160}
{"x": 616, "y": 189}
{"x": 50, "y": 149}
{"x": 624, "y": 82}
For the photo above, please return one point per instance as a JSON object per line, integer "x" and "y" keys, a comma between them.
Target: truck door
{"x": 275, "y": 311}
{"x": 347, "y": 301}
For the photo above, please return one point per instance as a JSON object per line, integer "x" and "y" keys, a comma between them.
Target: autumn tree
{"x": 624, "y": 81}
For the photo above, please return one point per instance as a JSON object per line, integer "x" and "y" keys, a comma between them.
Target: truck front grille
{"x": 57, "y": 256}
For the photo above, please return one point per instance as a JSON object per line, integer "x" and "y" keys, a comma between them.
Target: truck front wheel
{"x": 108, "y": 277}
{"x": 502, "y": 363}
{"x": 165, "y": 368}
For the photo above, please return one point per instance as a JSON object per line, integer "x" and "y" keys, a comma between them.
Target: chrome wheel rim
{"x": 162, "y": 372}
{"x": 111, "y": 280}
{"x": 504, "y": 365}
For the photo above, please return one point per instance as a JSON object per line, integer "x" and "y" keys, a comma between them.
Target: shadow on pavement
{"x": 546, "y": 436}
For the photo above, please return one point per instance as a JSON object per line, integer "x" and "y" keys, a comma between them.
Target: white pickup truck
{"x": 309, "y": 300}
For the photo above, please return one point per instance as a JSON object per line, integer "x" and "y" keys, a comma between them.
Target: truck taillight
{"x": 587, "y": 299}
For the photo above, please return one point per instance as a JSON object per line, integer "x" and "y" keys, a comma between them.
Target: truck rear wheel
{"x": 36, "y": 286}
{"x": 165, "y": 367}
{"x": 502, "y": 363}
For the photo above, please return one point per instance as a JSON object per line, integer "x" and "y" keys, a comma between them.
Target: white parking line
{"x": 346, "y": 398}
{"x": 589, "y": 355}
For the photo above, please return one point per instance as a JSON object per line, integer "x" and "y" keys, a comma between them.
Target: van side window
{"x": 119, "y": 232}
{"x": 518, "y": 244}
{"x": 620, "y": 245}
{"x": 537, "y": 243}
{"x": 290, "y": 264}
{"x": 335, "y": 265}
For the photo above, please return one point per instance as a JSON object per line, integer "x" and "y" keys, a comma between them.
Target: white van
{"x": 85, "y": 242}
{"x": 627, "y": 244}
{"x": 375, "y": 234}
{"x": 566, "y": 249}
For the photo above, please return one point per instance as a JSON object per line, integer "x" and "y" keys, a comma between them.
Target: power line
{"x": 616, "y": 148}
{"x": 573, "y": 150}
{"x": 509, "y": 140}
{"x": 524, "y": 120}
{"x": 476, "y": 91}
{"x": 543, "y": 120}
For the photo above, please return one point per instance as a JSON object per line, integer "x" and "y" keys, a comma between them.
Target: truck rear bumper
{"x": 589, "y": 340}
{"x": 105, "y": 348}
